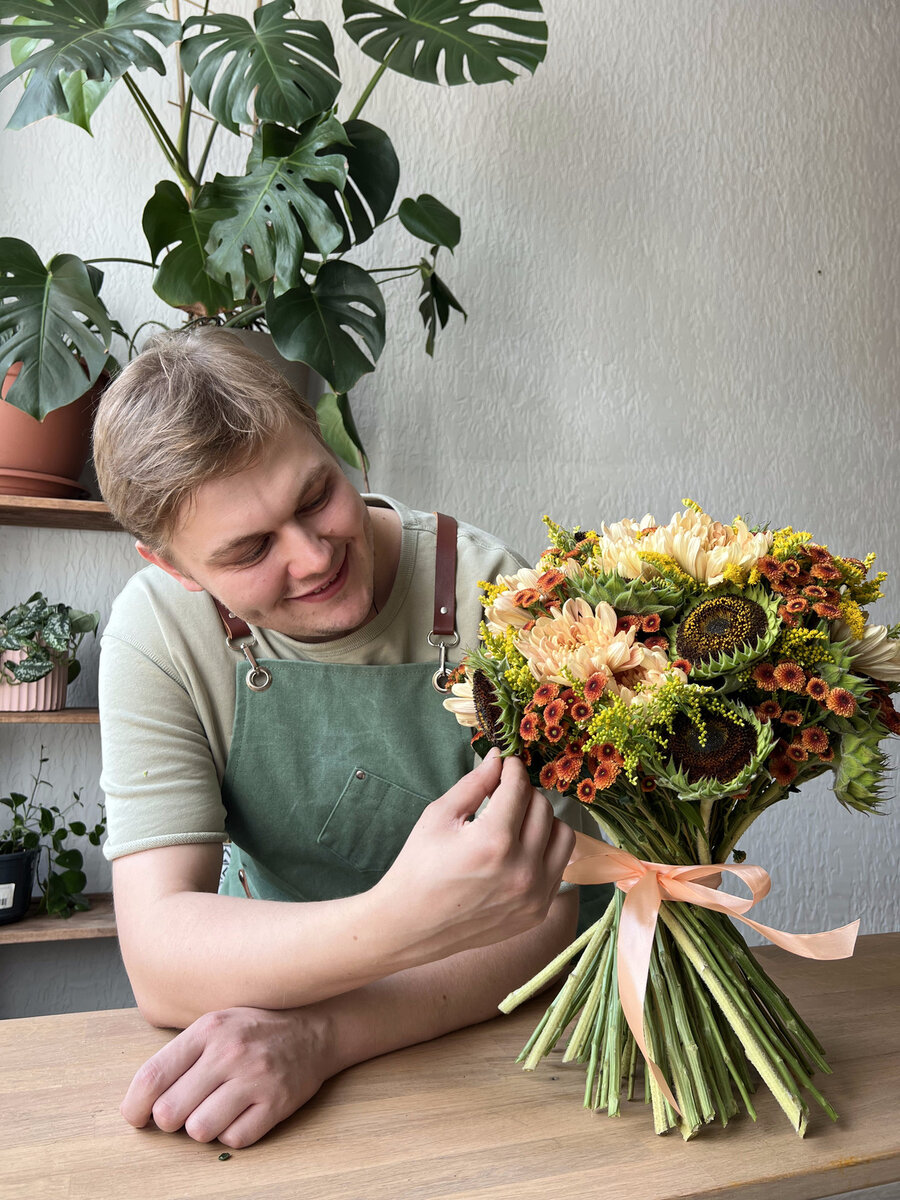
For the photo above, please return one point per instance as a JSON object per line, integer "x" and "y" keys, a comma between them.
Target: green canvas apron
{"x": 330, "y": 767}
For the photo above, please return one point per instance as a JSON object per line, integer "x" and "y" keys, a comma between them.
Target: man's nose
{"x": 308, "y": 552}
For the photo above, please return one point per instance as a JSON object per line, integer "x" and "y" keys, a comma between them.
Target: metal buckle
{"x": 257, "y": 678}
{"x": 440, "y": 679}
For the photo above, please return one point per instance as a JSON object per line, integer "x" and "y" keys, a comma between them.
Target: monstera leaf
{"x": 472, "y": 40}
{"x": 40, "y": 327}
{"x": 83, "y": 35}
{"x": 289, "y": 64}
{"x": 435, "y": 303}
{"x": 182, "y": 280}
{"x": 268, "y": 201}
{"x": 339, "y": 429}
{"x": 373, "y": 173}
{"x": 83, "y": 95}
{"x": 317, "y": 324}
{"x": 428, "y": 219}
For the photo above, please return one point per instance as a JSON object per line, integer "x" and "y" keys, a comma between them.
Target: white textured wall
{"x": 680, "y": 265}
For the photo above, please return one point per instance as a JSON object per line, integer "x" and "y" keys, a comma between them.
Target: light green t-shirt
{"x": 167, "y": 682}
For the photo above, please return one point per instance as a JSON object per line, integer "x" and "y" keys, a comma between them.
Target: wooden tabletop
{"x": 457, "y": 1118}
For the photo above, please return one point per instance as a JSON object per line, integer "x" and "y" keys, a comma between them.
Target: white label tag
{"x": 7, "y": 891}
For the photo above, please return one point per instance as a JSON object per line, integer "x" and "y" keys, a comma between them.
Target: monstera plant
{"x": 269, "y": 247}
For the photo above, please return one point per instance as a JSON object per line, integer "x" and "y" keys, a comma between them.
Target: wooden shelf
{"x": 98, "y": 922}
{"x": 56, "y": 514}
{"x": 62, "y": 716}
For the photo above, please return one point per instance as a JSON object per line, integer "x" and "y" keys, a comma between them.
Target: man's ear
{"x": 152, "y": 557}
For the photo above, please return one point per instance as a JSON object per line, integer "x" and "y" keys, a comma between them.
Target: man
{"x": 355, "y": 916}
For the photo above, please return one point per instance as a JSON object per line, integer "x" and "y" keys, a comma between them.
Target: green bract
{"x": 633, "y": 596}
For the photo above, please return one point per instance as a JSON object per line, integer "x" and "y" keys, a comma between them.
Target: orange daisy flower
{"x": 797, "y": 752}
{"x": 545, "y": 693}
{"x": 790, "y": 676}
{"x": 650, "y": 623}
{"x": 815, "y": 592}
{"x": 827, "y": 755}
{"x": 787, "y": 617}
{"x": 581, "y": 711}
{"x": 554, "y": 712}
{"x": 648, "y": 784}
{"x": 815, "y": 739}
{"x": 764, "y": 677}
{"x": 593, "y": 689}
{"x": 605, "y": 775}
{"x": 548, "y": 775}
{"x": 568, "y": 767}
{"x": 657, "y": 643}
{"x": 791, "y": 568}
{"x": 529, "y": 728}
{"x": 586, "y": 791}
{"x": 824, "y": 570}
{"x": 526, "y": 597}
{"x": 782, "y": 769}
{"x": 841, "y": 702}
{"x": 817, "y": 688}
{"x": 550, "y": 580}
{"x": 682, "y": 664}
{"x": 627, "y": 622}
{"x": 553, "y": 734}
{"x": 797, "y": 604}
{"x": 791, "y": 716}
{"x": 828, "y": 610}
{"x": 769, "y": 710}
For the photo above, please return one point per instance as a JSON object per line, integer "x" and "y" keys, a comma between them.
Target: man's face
{"x": 287, "y": 544}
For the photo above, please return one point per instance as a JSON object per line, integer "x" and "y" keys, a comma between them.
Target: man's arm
{"x": 234, "y": 1075}
{"x": 457, "y": 884}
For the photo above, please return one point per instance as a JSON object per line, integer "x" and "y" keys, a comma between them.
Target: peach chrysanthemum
{"x": 577, "y": 642}
{"x": 875, "y": 654}
{"x": 700, "y": 546}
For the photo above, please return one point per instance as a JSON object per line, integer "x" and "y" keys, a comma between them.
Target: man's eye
{"x": 254, "y": 554}
{"x": 318, "y": 502}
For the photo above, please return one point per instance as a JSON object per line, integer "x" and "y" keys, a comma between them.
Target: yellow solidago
{"x": 754, "y": 577}
{"x": 490, "y": 592}
{"x": 733, "y": 573}
{"x": 803, "y": 646}
{"x": 692, "y": 504}
{"x": 854, "y": 616}
{"x": 787, "y": 542}
{"x": 669, "y": 569}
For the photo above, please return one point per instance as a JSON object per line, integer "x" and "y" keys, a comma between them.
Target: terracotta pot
{"x": 44, "y": 695}
{"x": 45, "y": 458}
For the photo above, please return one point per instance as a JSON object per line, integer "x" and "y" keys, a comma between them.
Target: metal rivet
{"x": 360, "y": 774}
{"x": 444, "y": 609}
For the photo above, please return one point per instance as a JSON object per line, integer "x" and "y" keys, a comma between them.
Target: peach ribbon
{"x": 646, "y": 885}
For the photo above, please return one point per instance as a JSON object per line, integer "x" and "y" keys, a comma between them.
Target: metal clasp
{"x": 257, "y": 678}
{"x": 440, "y": 679}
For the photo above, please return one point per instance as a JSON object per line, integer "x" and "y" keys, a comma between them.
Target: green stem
{"x": 594, "y": 1007}
{"x": 534, "y": 985}
{"x": 168, "y": 147}
{"x": 370, "y": 86}
{"x": 201, "y": 165}
{"x": 750, "y": 1039}
{"x": 245, "y": 314}
{"x": 138, "y": 262}
{"x": 184, "y": 127}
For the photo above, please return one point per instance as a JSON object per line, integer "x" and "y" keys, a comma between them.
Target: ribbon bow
{"x": 646, "y": 885}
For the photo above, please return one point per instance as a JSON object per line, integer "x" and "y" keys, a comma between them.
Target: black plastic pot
{"x": 16, "y": 882}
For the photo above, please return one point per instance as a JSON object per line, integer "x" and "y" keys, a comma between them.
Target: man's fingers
{"x": 157, "y": 1075}
{"x": 560, "y": 845}
{"x": 465, "y": 797}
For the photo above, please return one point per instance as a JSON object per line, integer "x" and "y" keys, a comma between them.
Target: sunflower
{"x": 719, "y": 748}
{"x": 721, "y": 626}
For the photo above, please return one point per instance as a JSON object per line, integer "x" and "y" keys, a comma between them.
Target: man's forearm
{"x": 427, "y": 1001}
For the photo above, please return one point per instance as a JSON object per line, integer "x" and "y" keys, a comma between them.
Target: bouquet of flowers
{"x": 680, "y": 679}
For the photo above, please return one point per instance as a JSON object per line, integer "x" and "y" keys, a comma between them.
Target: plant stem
{"x": 168, "y": 147}
{"x": 245, "y": 314}
{"x": 749, "y": 1037}
{"x": 138, "y": 262}
{"x": 534, "y": 985}
{"x": 370, "y": 86}
{"x": 201, "y": 165}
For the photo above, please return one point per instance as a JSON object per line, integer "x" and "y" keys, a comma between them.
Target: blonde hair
{"x": 193, "y": 406}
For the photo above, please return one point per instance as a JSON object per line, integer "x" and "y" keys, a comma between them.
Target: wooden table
{"x": 457, "y": 1118}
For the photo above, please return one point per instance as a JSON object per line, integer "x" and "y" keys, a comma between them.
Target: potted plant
{"x": 269, "y": 247}
{"x": 34, "y": 843}
{"x": 38, "y": 643}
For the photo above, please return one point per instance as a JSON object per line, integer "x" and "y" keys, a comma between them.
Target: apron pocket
{"x": 371, "y": 821}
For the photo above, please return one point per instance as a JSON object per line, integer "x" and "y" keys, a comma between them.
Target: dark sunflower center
{"x": 486, "y": 710}
{"x": 720, "y": 625}
{"x": 726, "y": 746}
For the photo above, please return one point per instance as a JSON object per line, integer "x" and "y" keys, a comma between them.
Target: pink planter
{"x": 46, "y": 695}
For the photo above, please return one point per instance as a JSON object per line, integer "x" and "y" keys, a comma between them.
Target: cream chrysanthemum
{"x": 699, "y": 545}
{"x": 575, "y": 642}
{"x": 504, "y": 611}
{"x": 875, "y": 654}
{"x": 462, "y": 703}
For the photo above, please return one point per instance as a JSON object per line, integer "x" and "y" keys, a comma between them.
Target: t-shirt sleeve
{"x": 159, "y": 776}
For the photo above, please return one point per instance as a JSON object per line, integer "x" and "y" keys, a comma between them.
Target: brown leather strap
{"x": 444, "y": 625}
{"x": 234, "y": 626}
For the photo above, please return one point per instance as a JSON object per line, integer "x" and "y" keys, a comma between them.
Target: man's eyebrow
{"x": 224, "y": 553}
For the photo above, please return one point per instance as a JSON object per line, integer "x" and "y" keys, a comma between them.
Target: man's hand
{"x": 234, "y": 1075}
{"x": 460, "y": 883}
